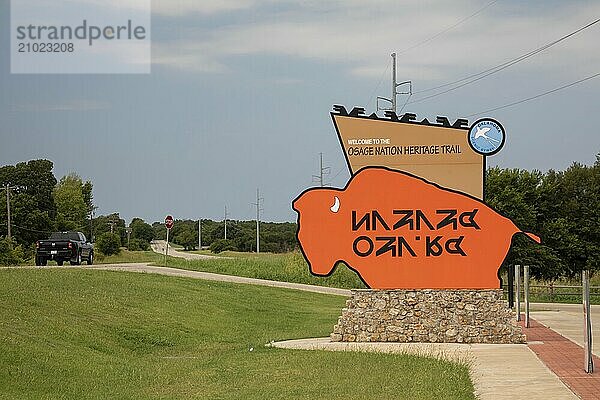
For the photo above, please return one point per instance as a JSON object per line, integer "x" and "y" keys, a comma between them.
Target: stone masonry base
{"x": 433, "y": 316}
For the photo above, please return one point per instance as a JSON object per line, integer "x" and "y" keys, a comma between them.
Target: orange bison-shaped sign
{"x": 399, "y": 231}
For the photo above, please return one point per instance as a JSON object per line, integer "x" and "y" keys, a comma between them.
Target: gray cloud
{"x": 74, "y": 105}
{"x": 361, "y": 35}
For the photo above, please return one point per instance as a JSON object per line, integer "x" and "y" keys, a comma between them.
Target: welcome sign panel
{"x": 439, "y": 154}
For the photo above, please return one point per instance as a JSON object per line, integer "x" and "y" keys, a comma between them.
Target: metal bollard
{"x": 518, "y": 291}
{"x": 511, "y": 286}
{"x": 526, "y": 289}
{"x": 588, "y": 360}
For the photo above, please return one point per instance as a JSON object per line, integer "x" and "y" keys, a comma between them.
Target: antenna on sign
{"x": 322, "y": 171}
{"x": 395, "y": 92}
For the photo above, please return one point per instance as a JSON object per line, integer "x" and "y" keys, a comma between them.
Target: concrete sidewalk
{"x": 567, "y": 320}
{"x": 564, "y": 358}
{"x": 499, "y": 371}
{"x": 145, "y": 268}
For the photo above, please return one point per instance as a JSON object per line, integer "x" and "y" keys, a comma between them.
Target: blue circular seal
{"x": 486, "y": 136}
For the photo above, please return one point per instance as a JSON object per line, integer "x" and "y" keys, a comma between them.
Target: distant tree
{"x": 139, "y": 245}
{"x": 186, "y": 238}
{"x": 221, "y": 245}
{"x": 32, "y": 202}
{"x": 71, "y": 207}
{"x": 103, "y": 223}
{"x": 160, "y": 232}
{"x": 517, "y": 194}
{"x": 108, "y": 243}
{"x": 141, "y": 230}
{"x": 10, "y": 252}
{"x": 574, "y": 228}
{"x": 563, "y": 208}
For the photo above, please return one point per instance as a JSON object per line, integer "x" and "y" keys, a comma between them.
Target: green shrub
{"x": 10, "y": 253}
{"x": 222, "y": 245}
{"x": 108, "y": 243}
{"x": 139, "y": 245}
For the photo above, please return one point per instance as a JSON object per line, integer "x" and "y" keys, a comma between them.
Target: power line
{"x": 25, "y": 229}
{"x": 426, "y": 41}
{"x": 536, "y": 96}
{"x": 379, "y": 83}
{"x": 429, "y": 39}
{"x": 490, "y": 71}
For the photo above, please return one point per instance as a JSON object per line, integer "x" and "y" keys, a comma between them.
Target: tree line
{"x": 40, "y": 204}
{"x": 562, "y": 207}
{"x": 241, "y": 235}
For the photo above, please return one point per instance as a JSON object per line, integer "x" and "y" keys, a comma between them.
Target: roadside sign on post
{"x": 168, "y": 224}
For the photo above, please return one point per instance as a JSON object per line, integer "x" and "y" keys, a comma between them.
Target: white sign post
{"x": 168, "y": 225}
{"x": 518, "y": 291}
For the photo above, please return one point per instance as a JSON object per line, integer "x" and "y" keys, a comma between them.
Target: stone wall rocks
{"x": 433, "y": 316}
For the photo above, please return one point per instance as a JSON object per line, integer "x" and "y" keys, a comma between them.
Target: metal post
{"x": 128, "y": 231}
{"x": 258, "y": 209}
{"x": 225, "y": 222}
{"x": 8, "y": 210}
{"x": 322, "y": 172}
{"x": 167, "y": 248}
{"x": 92, "y": 226}
{"x": 257, "y": 221}
{"x": 526, "y": 288}
{"x": 200, "y": 234}
{"x": 511, "y": 286}
{"x": 588, "y": 361}
{"x": 321, "y": 169}
{"x": 394, "y": 85}
{"x": 518, "y": 291}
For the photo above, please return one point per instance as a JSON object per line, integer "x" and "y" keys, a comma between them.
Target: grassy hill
{"x": 76, "y": 334}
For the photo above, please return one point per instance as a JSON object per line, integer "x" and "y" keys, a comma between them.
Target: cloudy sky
{"x": 240, "y": 94}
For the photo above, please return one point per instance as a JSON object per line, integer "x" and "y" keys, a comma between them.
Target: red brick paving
{"x": 564, "y": 358}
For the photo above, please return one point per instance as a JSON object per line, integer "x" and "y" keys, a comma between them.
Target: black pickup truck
{"x": 64, "y": 246}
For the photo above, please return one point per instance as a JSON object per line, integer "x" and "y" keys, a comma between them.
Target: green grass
{"x": 76, "y": 334}
{"x": 126, "y": 256}
{"x": 288, "y": 267}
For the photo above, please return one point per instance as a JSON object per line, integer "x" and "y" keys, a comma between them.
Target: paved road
{"x": 158, "y": 246}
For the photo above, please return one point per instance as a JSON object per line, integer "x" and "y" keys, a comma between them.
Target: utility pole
{"x": 225, "y": 222}
{"x": 128, "y": 231}
{"x": 394, "y": 106}
{"x": 322, "y": 171}
{"x": 393, "y": 99}
{"x": 112, "y": 222}
{"x": 8, "y": 209}
{"x": 92, "y": 212}
{"x": 258, "y": 209}
{"x": 200, "y": 234}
